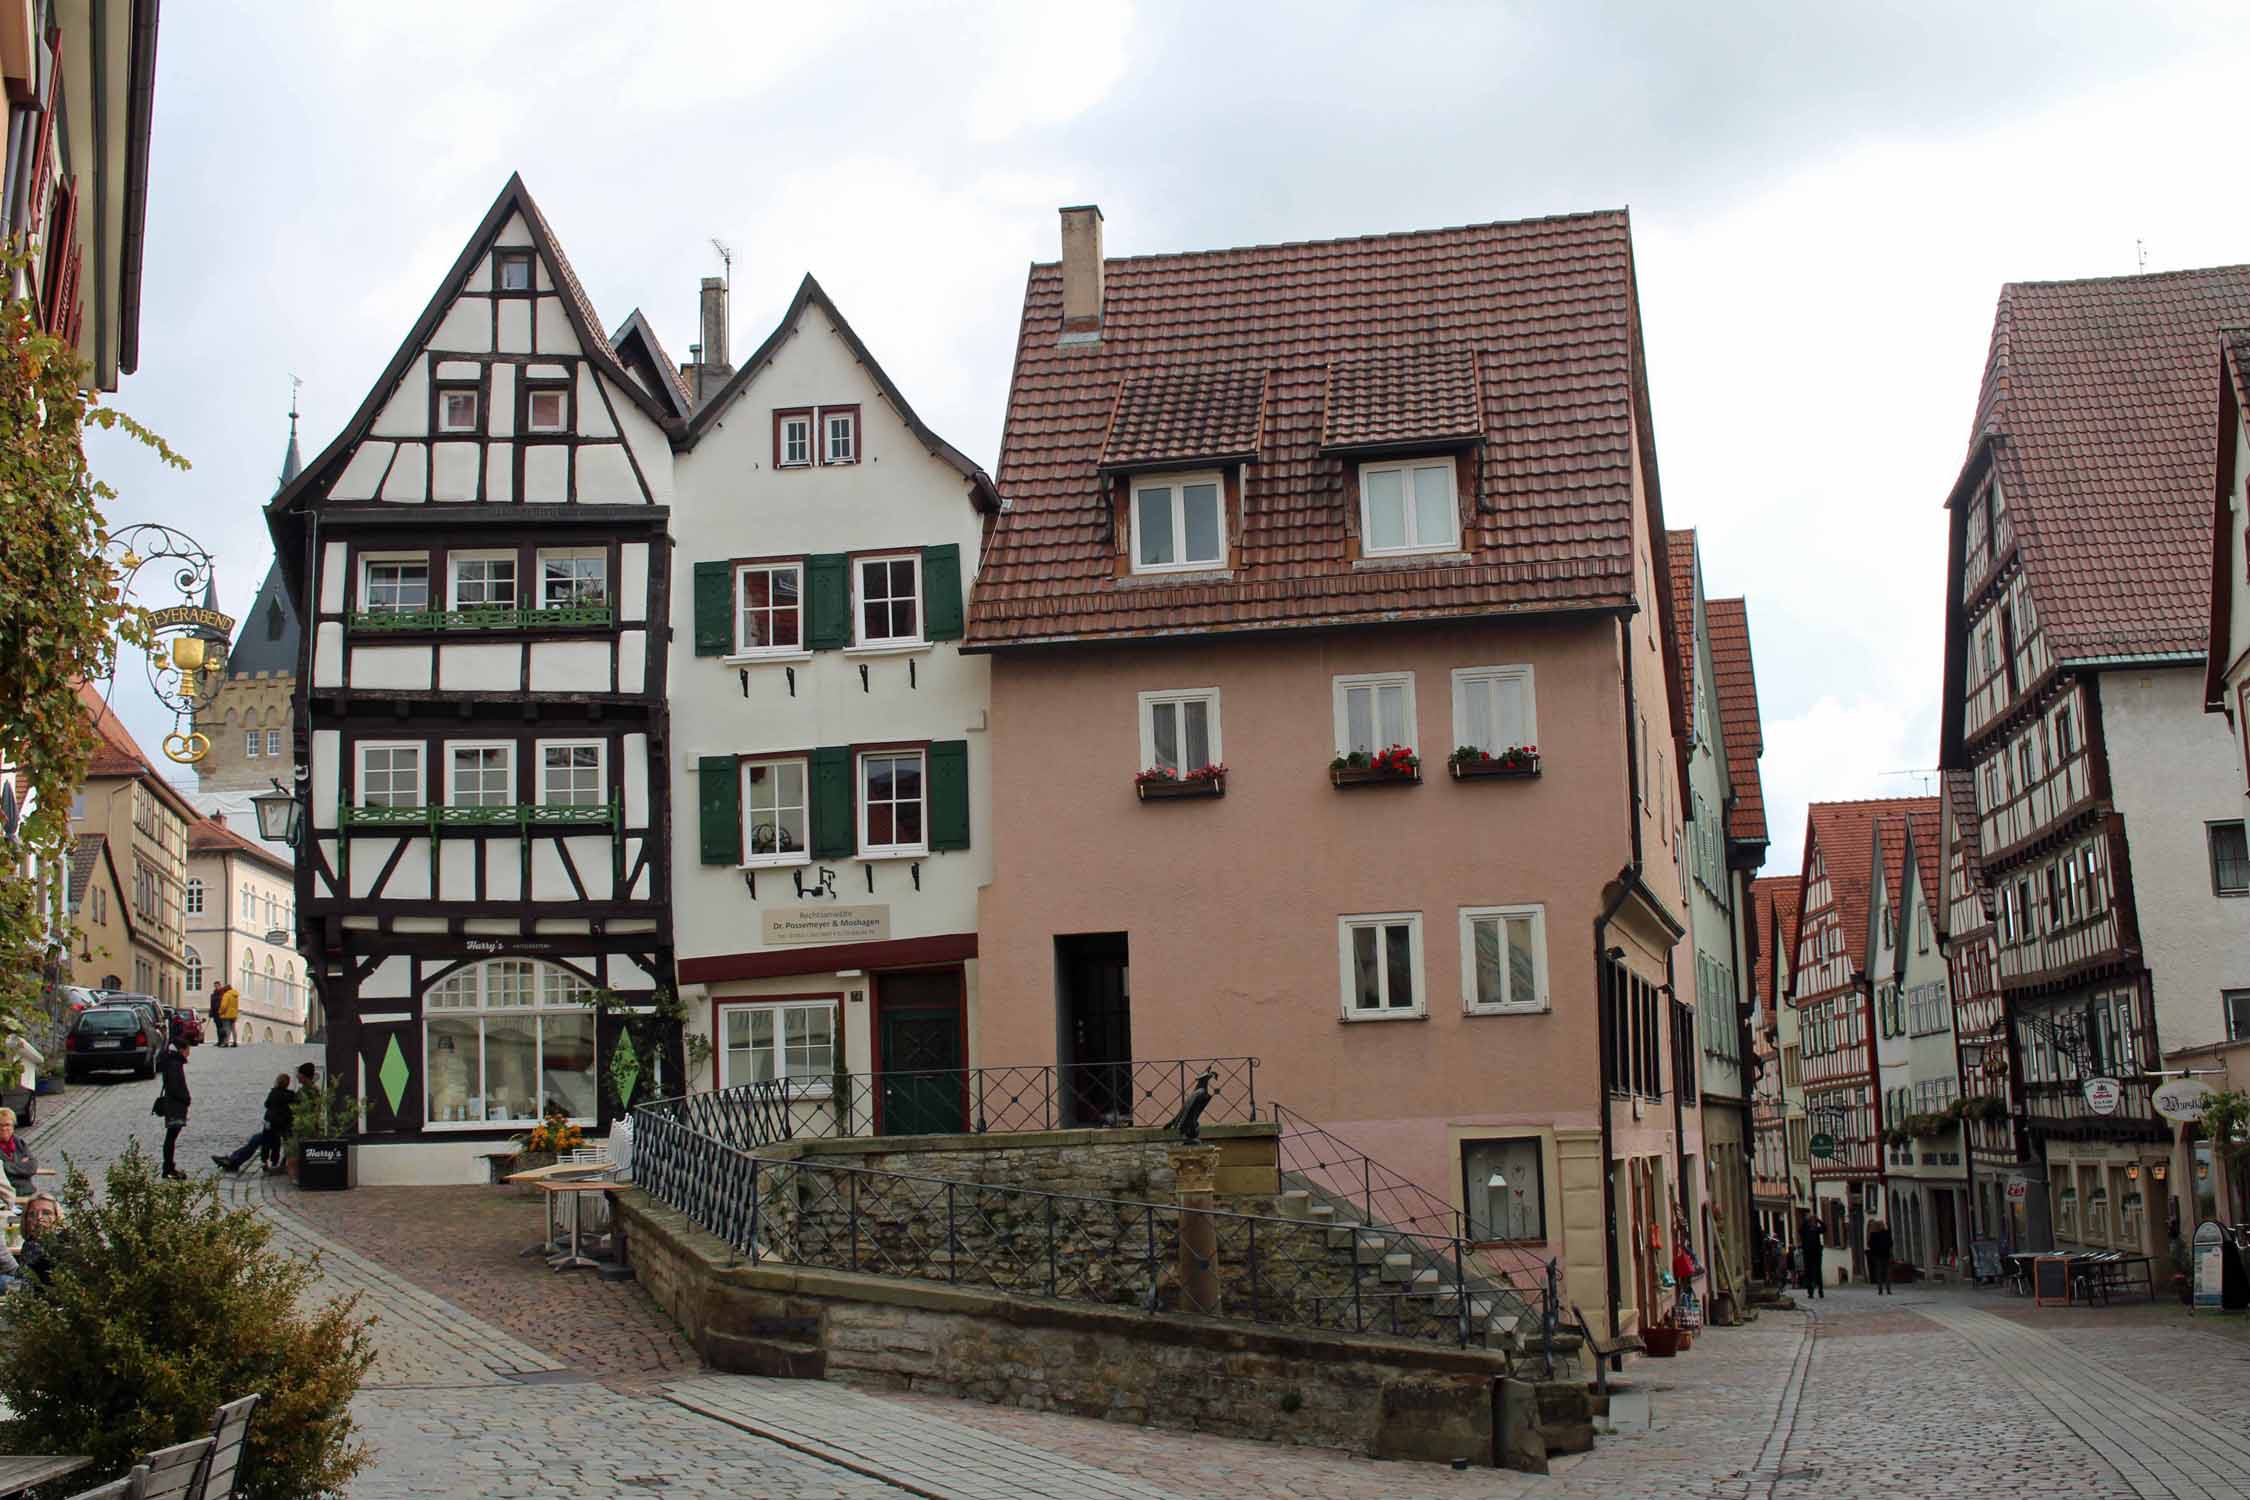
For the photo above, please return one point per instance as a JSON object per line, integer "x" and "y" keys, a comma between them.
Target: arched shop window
{"x": 508, "y": 1041}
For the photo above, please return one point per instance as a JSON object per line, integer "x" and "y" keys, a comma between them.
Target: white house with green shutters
{"x": 826, "y": 729}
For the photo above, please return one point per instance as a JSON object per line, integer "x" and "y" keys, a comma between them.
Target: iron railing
{"x": 1268, "y": 1270}
{"x": 950, "y": 1101}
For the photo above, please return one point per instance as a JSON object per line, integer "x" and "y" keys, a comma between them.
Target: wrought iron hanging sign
{"x": 187, "y": 657}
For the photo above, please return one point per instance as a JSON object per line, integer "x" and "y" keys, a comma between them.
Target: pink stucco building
{"x": 1268, "y": 514}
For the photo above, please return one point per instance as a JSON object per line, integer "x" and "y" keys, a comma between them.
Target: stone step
{"x": 1342, "y": 1238}
{"x": 1321, "y": 1213}
{"x": 1398, "y": 1266}
{"x": 1370, "y": 1249}
{"x": 1294, "y": 1204}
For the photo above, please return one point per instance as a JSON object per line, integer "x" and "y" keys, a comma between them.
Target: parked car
{"x": 106, "y": 1038}
{"x": 154, "y": 1009}
{"x": 187, "y": 1024}
{"x": 76, "y": 997}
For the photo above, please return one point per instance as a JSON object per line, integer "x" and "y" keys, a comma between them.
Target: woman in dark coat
{"x": 173, "y": 1102}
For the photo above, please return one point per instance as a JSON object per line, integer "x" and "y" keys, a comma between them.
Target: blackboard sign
{"x": 2050, "y": 1279}
{"x": 1985, "y": 1254}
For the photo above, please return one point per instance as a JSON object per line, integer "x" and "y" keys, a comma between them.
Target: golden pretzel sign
{"x": 187, "y": 748}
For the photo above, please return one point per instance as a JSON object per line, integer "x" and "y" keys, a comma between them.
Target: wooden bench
{"x": 1605, "y": 1350}
{"x": 203, "y": 1469}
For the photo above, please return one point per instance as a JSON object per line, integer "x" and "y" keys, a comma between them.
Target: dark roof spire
{"x": 291, "y": 462}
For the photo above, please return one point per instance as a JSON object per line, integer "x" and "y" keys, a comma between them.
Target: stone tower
{"x": 248, "y": 720}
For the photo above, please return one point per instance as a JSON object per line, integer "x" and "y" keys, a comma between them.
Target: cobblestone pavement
{"x": 497, "y": 1377}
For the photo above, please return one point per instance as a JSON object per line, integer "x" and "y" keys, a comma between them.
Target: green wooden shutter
{"x": 835, "y": 821}
{"x": 714, "y": 608}
{"x": 828, "y": 582}
{"x": 941, "y": 595}
{"x": 719, "y": 801}
{"x": 949, "y": 794}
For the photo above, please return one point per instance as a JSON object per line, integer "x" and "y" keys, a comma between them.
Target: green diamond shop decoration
{"x": 625, "y": 1069}
{"x": 394, "y": 1073}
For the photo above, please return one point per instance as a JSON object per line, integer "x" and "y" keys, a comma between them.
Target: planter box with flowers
{"x": 1397, "y": 764}
{"x": 1472, "y": 764}
{"x": 1163, "y": 784}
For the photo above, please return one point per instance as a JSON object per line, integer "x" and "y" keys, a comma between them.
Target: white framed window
{"x": 1494, "y": 708}
{"x": 481, "y": 774}
{"x": 775, "y": 815}
{"x": 1178, "y": 522}
{"x": 194, "y": 972}
{"x": 1374, "y": 711}
{"x": 1408, "y": 507}
{"x": 508, "y": 1040}
{"x": 570, "y": 774}
{"x": 573, "y": 575}
{"x": 793, "y": 439}
{"x": 251, "y": 740}
{"x": 890, "y": 600}
{"x": 273, "y": 742}
{"x": 547, "y": 409}
{"x": 1503, "y": 959}
{"x": 770, "y": 608}
{"x": 1381, "y": 958}
{"x": 891, "y": 811}
{"x": 394, "y": 585}
{"x": 794, "y": 1042}
{"x": 514, "y": 270}
{"x": 194, "y": 897}
{"x": 839, "y": 437}
{"x": 457, "y": 410}
{"x": 1180, "y": 730}
{"x": 481, "y": 580}
{"x": 390, "y": 774}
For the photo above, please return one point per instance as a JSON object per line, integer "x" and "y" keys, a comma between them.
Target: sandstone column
{"x": 1195, "y": 1166}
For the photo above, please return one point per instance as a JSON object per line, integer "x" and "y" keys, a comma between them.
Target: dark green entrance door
{"x": 924, "y": 1086}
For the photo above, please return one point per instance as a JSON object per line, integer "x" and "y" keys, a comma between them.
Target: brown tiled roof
{"x": 1545, "y": 308}
{"x": 212, "y": 836}
{"x": 637, "y": 345}
{"x": 1680, "y": 546}
{"x": 1845, "y": 833}
{"x": 2099, "y": 393}
{"x": 1401, "y": 396}
{"x": 1773, "y": 896}
{"x": 1736, "y": 681}
{"x": 588, "y": 324}
{"x": 117, "y": 753}
{"x": 1926, "y": 829}
{"x": 85, "y": 858}
{"x": 1182, "y": 416}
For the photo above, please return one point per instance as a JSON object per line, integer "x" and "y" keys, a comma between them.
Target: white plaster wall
{"x": 485, "y": 668}
{"x": 363, "y": 472}
{"x": 1710, "y": 921}
{"x": 570, "y": 666}
{"x": 1933, "y": 1056}
{"x": 605, "y": 475}
{"x": 328, "y": 655}
{"x": 731, "y": 503}
{"x": 2173, "y": 768}
{"x": 404, "y": 668}
{"x": 327, "y": 752}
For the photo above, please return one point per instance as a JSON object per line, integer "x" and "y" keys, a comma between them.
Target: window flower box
{"x": 1394, "y": 765}
{"x": 1163, "y": 784}
{"x": 1517, "y": 762}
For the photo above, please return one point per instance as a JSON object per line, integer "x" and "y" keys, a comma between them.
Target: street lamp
{"x": 281, "y": 817}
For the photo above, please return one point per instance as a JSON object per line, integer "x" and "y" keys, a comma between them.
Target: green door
{"x": 924, "y": 1088}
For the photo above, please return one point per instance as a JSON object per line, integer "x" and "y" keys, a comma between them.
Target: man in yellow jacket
{"x": 226, "y": 1005}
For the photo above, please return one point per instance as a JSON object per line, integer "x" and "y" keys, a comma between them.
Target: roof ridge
{"x": 1620, "y": 215}
{"x": 2139, "y": 276}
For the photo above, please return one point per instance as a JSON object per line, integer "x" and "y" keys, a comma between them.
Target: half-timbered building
{"x": 1992, "y": 1123}
{"x": 481, "y": 566}
{"x": 1781, "y": 1183}
{"x": 1915, "y": 1050}
{"x": 2077, "y": 626}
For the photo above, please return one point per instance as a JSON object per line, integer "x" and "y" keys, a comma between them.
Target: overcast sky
{"x": 1825, "y": 200}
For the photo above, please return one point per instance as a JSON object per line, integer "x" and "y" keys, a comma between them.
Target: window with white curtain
{"x": 1493, "y": 708}
{"x": 508, "y": 1041}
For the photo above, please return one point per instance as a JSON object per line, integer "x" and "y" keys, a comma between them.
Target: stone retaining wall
{"x": 1385, "y": 1398}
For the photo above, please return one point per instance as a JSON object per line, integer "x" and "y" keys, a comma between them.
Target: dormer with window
{"x": 1173, "y": 464}
{"x": 1407, "y": 425}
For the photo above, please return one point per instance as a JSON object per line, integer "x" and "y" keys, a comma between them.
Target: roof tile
{"x": 1739, "y": 717}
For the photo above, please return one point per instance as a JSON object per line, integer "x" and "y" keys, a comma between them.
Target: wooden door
{"x": 923, "y": 1086}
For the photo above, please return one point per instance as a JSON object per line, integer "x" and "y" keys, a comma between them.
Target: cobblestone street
{"x": 498, "y": 1377}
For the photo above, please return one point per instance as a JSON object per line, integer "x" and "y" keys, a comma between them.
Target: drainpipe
{"x": 1606, "y": 961}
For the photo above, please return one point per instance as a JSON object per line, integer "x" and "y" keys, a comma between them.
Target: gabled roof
{"x": 1679, "y": 547}
{"x": 642, "y": 352}
{"x": 1844, "y": 836}
{"x": 1736, "y": 682}
{"x": 1773, "y": 898}
{"x": 2097, "y": 412}
{"x": 212, "y": 836}
{"x": 1546, "y": 311}
{"x": 86, "y": 852}
{"x": 2229, "y": 545}
{"x": 117, "y": 753}
{"x": 810, "y": 294}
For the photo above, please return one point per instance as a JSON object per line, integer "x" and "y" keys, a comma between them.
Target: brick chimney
{"x": 1082, "y": 274}
{"x": 708, "y": 368}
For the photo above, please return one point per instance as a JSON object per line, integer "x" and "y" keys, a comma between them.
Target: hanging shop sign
{"x": 1995, "y": 1059}
{"x": 2183, "y": 1099}
{"x": 2103, "y": 1095}
{"x": 784, "y": 926}
{"x": 2019, "y": 1188}
{"x": 1824, "y": 1146}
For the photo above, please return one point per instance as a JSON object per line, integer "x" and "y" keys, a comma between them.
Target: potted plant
{"x": 1162, "y": 783}
{"x": 320, "y": 1137}
{"x": 1661, "y": 1339}
{"x": 1468, "y": 762}
{"x": 544, "y": 1145}
{"x": 1394, "y": 763}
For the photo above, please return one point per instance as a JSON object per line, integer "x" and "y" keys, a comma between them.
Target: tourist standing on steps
{"x": 1879, "y": 1256}
{"x": 1814, "y": 1237}
{"x": 173, "y": 1102}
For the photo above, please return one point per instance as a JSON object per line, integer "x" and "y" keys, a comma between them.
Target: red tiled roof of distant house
{"x": 1926, "y": 826}
{"x": 1679, "y": 546}
{"x": 2100, "y": 395}
{"x": 117, "y": 753}
{"x": 1541, "y": 312}
{"x": 1845, "y": 834}
{"x": 1736, "y": 680}
{"x": 212, "y": 836}
{"x": 1772, "y": 896}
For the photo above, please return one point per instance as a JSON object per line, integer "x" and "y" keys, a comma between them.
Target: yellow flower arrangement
{"x": 555, "y": 1134}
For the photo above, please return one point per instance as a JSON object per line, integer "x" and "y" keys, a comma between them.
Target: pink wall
{"x": 1231, "y": 904}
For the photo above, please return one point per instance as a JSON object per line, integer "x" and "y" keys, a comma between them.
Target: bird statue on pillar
{"x": 1189, "y": 1121}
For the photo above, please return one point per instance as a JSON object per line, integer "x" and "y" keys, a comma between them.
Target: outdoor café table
{"x": 577, "y": 1189}
{"x": 21, "y": 1473}
{"x": 2125, "y": 1270}
{"x": 539, "y": 1177}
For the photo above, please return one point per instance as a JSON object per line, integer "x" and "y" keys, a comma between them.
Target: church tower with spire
{"x": 247, "y": 720}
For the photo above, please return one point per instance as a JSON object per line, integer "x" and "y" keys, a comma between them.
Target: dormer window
{"x": 1408, "y": 507}
{"x": 1178, "y": 523}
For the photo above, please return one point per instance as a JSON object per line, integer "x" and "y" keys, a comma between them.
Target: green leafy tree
{"x": 164, "y": 1304}
{"x": 62, "y": 620}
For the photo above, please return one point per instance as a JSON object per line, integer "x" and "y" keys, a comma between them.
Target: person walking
{"x": 218, "y": 993}
{"x": 229, "y": 1008}
{"x": 281, "y": 1105}
{"x": 1879, "y": 1256}
{"x": 173, "y": 1102}
{"x": 1814, "y": 1237}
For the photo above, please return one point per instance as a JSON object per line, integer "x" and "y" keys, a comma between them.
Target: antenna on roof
{"x": 726, "y": 259}
{"x": 1927, "y": 773}
{"x": 2140, "y": 253}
